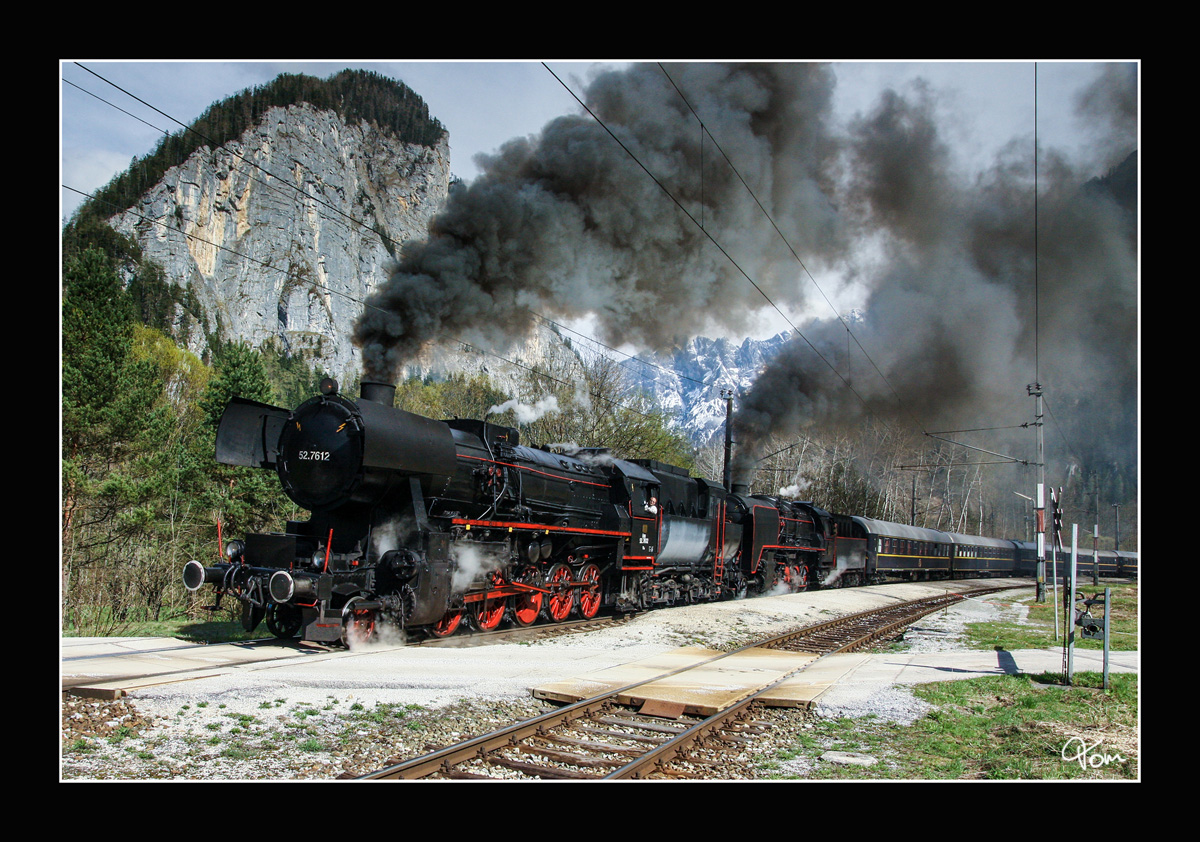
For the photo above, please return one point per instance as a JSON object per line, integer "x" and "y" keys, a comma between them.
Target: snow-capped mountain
{"x": 688, "y": 382}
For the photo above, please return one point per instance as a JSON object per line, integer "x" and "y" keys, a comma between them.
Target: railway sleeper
{"x": 569, "y": 757}
{"x": 620, "y": 735}
{"x": 540, "y": 771}
{"x": 591, "y": 744}
{"x": 629, "y": 721}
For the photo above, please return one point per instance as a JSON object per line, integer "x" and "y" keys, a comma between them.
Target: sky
{"x": 484, "y": 104}
{"x": 937, "y": 154}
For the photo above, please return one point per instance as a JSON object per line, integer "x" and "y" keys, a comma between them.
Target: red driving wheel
{"x": 561, "y": 598}
{"x": 527, "y": 605}
{"x": 590, "y": 595}
{"x": 358, "y": 625}
{"x": 447, "y": 625}
{"x": 488, "y": 613}
{"x": 800, "y": 577}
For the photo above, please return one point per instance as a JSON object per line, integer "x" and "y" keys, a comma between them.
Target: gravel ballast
{"x": 350, "y": 716}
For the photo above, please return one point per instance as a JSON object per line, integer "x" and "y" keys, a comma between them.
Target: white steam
{"x": 527, "y": 413}
{"x": 586, "y": 456}
{"x": 473, "y": 561}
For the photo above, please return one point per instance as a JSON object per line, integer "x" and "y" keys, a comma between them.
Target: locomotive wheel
{"x": 526, "y": 606}
{"x": 488, "y": 613}
{"x": 590, "y": 596}
{"x": 802, "y": 578}
{"x": 758, "y": 584}
{"x": 736, "y": 586}
{"x": 358, "y": 625}
{"x": 283, "y": 621}
{"x": 798, "y": 578}
{"x": 562, "y": 599}
{"x": 448, "y": 625}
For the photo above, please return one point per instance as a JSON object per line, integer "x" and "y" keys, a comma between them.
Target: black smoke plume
{"x": 951, "y": 317}
{"x": 568, "y": 224}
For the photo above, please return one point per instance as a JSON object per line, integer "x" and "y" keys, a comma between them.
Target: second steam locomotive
{"x": 426, "y": 525}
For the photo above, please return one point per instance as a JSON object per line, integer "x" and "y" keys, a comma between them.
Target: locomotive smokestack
{"x": 384, "y": 393}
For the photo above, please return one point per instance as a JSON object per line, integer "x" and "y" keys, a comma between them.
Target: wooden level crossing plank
{"x": 702, "y": 689}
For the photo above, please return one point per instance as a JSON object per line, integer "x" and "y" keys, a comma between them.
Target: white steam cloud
{"x": 527, "y": 413}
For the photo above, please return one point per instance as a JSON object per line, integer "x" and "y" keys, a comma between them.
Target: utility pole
{"x": 1035, "y": 391}
{"x": 912, "y": 503}
{"x": 1117, "y": 540}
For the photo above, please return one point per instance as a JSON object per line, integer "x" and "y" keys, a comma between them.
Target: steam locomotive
{"x": 427, "y": 526}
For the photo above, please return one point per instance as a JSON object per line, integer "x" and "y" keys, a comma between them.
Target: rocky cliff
{"x": 283, "y": 233}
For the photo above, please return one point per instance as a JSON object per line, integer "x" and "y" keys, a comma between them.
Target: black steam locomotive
{"x": 420, "y": 525}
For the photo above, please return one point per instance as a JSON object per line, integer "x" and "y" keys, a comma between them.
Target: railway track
{"x": 523, "y": 634}
{"x": 602, "y": 738}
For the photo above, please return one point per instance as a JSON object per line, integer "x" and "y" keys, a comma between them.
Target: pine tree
{"x": 108, "y": 396}
{"x": 113, "y": 426}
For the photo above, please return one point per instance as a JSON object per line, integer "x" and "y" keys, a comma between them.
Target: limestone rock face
{"x": 283, "y": 233}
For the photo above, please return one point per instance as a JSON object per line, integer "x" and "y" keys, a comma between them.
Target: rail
{"x": 602, "y": 739}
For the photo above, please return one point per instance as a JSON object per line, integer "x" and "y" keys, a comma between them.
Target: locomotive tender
{"x": 422, "y": 524}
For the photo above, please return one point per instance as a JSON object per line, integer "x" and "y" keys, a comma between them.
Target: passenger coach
{"x": 908, "y": 552}
{"x": 1112, "y": 563}
{"x": 976, "y": 556}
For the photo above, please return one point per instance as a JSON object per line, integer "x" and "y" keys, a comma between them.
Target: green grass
{"x": 384, "y": 712}
{"x": 197, "y": 631}
{"x": 1038, "y": 631}
{"x": 1009, "y": 727}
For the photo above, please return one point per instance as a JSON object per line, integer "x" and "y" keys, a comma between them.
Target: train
{"x": 433, "y": 526}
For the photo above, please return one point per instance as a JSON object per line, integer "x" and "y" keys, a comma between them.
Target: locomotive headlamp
{"x": 234, "y": 550}
{"x": 328, "y": 386}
